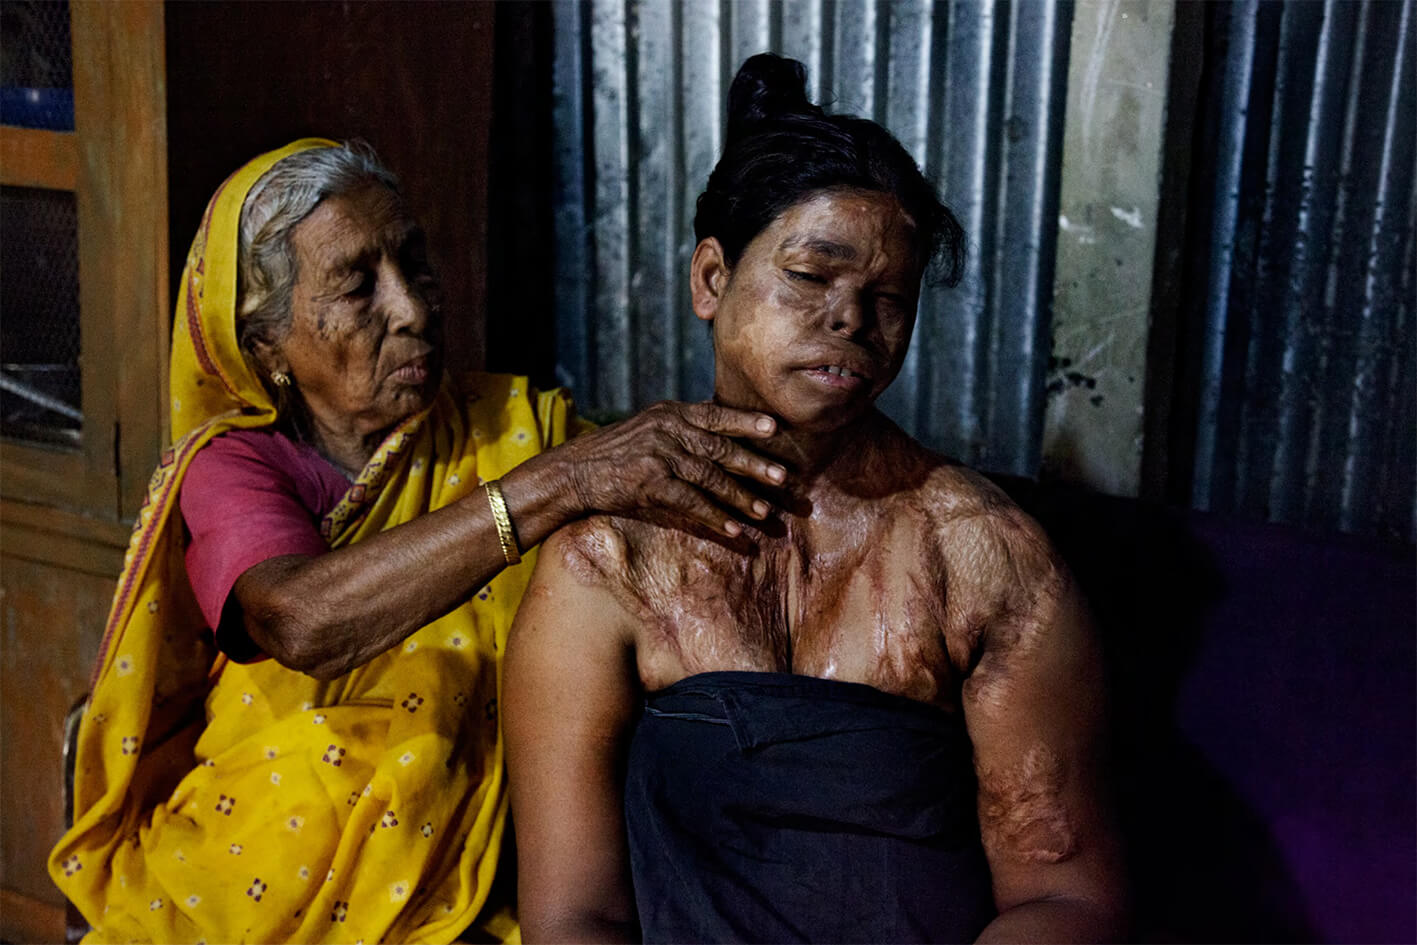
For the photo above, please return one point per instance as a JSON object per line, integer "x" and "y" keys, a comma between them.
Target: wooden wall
{"x": 415, "y": 80}
{"x": 412, "y": 79}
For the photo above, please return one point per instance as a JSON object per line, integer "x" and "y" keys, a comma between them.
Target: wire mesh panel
{"x": 973, "y": 89}
{"x": 36, "y": 65}
{"x": 39, "y": 331}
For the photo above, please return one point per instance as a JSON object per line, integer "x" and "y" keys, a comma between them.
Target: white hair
{"x": 283, "y": 196}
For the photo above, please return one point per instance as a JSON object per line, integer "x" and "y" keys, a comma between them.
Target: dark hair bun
{"x": 780, "y": 149}
{"x": 766, "y": 87}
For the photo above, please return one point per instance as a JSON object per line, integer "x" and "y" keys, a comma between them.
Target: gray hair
{"x": 283, "y": 196}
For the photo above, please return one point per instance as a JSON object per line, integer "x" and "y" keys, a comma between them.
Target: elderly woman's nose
{"x": 407, "y": 308}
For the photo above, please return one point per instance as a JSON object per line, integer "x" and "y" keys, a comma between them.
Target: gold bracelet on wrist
{"x": 505, "y": 535}
{"x": 503, "y": 520}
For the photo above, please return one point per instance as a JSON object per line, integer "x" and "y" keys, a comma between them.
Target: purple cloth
{"x": 1303, "y": 697}
{"x": 1264, "y": 696}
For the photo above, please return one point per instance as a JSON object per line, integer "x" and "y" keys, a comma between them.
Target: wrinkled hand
{"x": 677, "y": 458}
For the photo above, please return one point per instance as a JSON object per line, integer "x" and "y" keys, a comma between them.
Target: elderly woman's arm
{"x": 325, "y": 615}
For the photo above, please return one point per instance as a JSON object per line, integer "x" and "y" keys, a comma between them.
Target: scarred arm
{"x": 1035, "y": 709}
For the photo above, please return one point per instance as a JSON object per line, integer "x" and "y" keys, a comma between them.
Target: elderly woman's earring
{"x": 281, "y": 379}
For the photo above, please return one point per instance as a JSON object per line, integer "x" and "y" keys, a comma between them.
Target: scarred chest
{"x": 862, "y": 600}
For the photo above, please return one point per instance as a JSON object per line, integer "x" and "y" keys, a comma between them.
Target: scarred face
{"x": 814, "y": 320}
{"x": 363, "y": 347}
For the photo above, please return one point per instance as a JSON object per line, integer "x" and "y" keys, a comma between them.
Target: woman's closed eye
{"x": 361, "y": 285}
{"x": 797, "y": 275}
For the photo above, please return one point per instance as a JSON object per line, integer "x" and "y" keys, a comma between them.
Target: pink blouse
{"x": 249, "y": 496}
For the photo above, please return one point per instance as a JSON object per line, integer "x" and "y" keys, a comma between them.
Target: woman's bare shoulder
{"x": 594, "y": 550}
{"x": 985, "y": 538}
{"x": 900, "y": 465}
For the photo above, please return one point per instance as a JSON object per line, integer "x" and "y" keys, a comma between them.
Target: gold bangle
{"x": 505, "y": 535}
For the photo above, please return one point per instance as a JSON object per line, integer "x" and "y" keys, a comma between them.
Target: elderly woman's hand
{"x": 674, "y": 458}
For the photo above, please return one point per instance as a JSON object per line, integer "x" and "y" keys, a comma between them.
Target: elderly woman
{"x": 325, "y": 764}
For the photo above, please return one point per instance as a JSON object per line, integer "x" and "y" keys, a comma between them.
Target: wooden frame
{"x": 31, "y": 157}
{"x": 116, "y": 161}
{"x": 63, "y": 539}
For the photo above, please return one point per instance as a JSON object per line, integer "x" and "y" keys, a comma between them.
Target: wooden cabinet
{"x": 114, "y": 162}
{"x": 64, "y": 506}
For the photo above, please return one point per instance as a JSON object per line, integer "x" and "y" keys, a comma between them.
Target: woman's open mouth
{"x": 414, "y": 372}
{"x": 837, "y": 377}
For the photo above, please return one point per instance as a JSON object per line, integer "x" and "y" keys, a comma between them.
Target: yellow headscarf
{"x": 246, "y": 802}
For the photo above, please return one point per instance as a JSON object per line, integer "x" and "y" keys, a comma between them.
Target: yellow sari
{"x": 227, "y": 802}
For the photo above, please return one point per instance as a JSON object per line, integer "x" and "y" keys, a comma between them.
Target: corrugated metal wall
{"x": 973, "y": 89}
{"x": 1304, "y": 276}
{"x": 1308, "y": 400}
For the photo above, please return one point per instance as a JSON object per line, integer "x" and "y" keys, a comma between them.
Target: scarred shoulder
{"x": 969, "y": 514}
{"x": 652, "y": 573}
{"x": 999, "y": 562}
{"x": 594, "y": 550}
{"x": 969, "y": 509}
{"x": 648, "y": 556}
